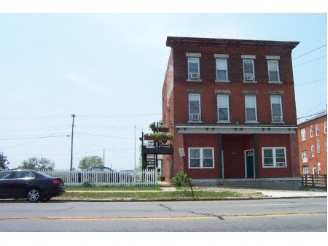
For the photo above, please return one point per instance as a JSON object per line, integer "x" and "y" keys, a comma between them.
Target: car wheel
{"x": 33, "y": 195}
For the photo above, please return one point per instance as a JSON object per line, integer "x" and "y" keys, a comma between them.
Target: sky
{"x": 108, "y": 70}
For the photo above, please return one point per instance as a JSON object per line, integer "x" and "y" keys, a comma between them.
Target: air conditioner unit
{"x": 249, "y": 78}
{"x": 194, "y": 117}
{"x": 281, "y": 164}
{"x": 194, "y": 76}
{"x": 277, "y": 119}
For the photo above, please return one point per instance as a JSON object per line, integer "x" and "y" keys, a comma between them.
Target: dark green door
{"x": 249, "y": 159}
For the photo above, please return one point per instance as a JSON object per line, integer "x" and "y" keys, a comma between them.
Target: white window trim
{"x": 318, "y": 146}
{"x": 201, "y": 158}
{"x": 311, "y": 131}
{"x": 200, "y": 110}
{"x": 312, "y": 151}
{"x": 251, "y": 121}
{"x": 304, "y": 156}
{"x": 253, "y": 74}
{"x": 198, "y": 74}
{"x": 303, "y": 134}
{"x": 278, "y": 70}
{"x": 274, "y": 164}
{"x": 317, "y": 129}
{"x": 217, "y": 101}
{"x": 281, "y": 111}
{"x": 221, "y": 57}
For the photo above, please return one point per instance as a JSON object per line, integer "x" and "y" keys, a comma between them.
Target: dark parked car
{"x": 29, "y": 184}
{"x": 99, "y": 174}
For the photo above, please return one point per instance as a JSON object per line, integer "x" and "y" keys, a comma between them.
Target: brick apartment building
{"x": 312, "y": 135}
{"x": 230, "y": 105}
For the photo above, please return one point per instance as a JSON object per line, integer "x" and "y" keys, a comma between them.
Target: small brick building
{"x": 230, "y": 105}
{"x": 312, "y": 138}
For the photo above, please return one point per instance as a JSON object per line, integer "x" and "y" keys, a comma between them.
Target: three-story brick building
{"x": 230, "y": 105}
{"x": 312, "y": 135}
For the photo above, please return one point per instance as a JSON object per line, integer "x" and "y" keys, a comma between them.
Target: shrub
{"x": 181, "y": 179}
{"x": 87, "y": 184}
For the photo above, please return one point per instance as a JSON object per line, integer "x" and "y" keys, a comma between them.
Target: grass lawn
{"x": 151, "y": 193}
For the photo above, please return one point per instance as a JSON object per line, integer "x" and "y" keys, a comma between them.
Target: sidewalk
{"x": 294, "y": 194}
{"x": 273, "y": 193}
{"x": 268, "y": 193}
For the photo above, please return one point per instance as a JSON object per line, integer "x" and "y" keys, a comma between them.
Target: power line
{"x": 310, "y": 61}
{"x": 312, "y": 82}
{"x": 309, "y": 52}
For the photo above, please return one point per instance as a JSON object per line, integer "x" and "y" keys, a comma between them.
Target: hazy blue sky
{"x": 108, "y": 70}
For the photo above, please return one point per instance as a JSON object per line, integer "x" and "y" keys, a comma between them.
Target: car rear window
{"x": 5, "y": 175}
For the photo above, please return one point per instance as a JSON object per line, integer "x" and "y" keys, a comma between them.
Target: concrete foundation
{"x": 266, "y": 183}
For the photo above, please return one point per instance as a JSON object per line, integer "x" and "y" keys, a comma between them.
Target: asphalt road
{"x": 267, "y": 215}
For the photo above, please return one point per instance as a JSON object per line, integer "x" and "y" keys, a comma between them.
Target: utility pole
{"x": 72, "y": 137}
{"x": 135, "y": 146}
{"x": 103, "y": 157}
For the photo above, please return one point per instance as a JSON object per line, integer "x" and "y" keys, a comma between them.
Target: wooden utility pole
{"x": 72, "y": 137}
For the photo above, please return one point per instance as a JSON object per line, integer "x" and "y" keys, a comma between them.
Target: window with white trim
{"x": 194, "y": 107}
{"x": 248, "y": 66}
{"x": 317, "y": 130}
{"x": 274, "y": 157}
{"x": 305, "y": 170}
{"x": 276, "y": 109}
{"x": 250, "y": 108}
{"x": 201, "y": 157}
{"x": 325, "y": 127}
{"x": 303, "y": 134}
{"x": 273, "y": 70}
{"x": 312, "y": 151}
{"x": 318, "y": 146}
{"x": 311, "y": 131}
{"x": 221, "y": 70}
{"x": 223, "y": 108}
{"x": 304, "y": 156}
{"x": 193, "y": 69}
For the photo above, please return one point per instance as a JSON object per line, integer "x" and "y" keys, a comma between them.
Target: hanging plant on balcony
{"x": 161, "y": 136}
{"x": 160, "y": 128}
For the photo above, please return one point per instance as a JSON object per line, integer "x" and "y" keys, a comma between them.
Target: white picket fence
{"x": 116, "y": 178}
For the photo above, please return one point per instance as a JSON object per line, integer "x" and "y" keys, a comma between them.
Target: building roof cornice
{"x": 173, "y": 41}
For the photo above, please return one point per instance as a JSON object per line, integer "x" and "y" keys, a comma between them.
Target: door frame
{"x": 245, "y": 158}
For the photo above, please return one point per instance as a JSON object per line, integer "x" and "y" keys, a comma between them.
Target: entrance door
{"x": 249, "y": 164}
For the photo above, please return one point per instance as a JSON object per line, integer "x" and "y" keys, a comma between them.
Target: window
{"x": 276, "y": 108}
{"x": 311, "y": 131}
{"x": 248, "y": 66}
{"x": 223, "y": 108}
{"x": 305, "y": 170}
{"x": 318, "y": 146}
{"x": 312, "y": 150}
{"x": 304, "y": 156}
{"x": 201, "y": 158}
{"x": 325, "y": 127}
{"x": 317, "y": 130}
{"x": 273, "y": 70}
{"x": 193, "y": 68}
{"x": 23, "y": 175}
{"x": 250, "y": 108}
{"x": 194, "y": 107}
{"x": 274, "y": 157}
{"x": 221, "y": 70}
{"x": 303, "y": 134}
